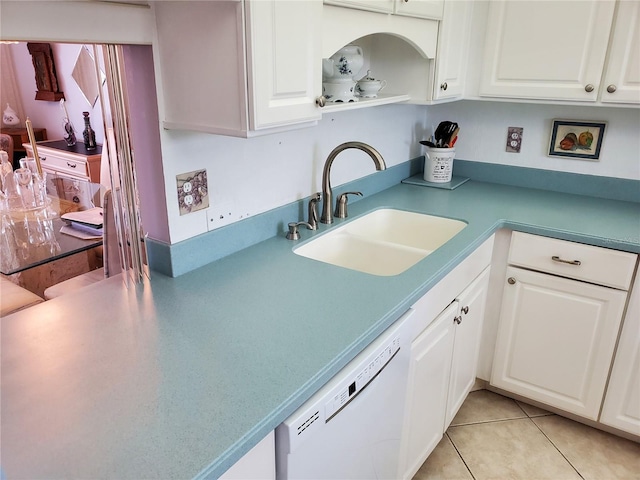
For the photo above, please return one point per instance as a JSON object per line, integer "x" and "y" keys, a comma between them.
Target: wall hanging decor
{"x": 576, "y": 139}
{"x": 47, "y": 85}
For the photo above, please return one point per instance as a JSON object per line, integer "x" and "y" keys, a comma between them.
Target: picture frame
{"x": 577, "y": 139}
{"x": 48, "y": 88}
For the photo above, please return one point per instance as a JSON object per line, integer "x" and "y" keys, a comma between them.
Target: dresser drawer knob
{"x": 71, "y": 165}
{"x": 556, "y": 258}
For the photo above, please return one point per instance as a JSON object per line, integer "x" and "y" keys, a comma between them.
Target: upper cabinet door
{"x": 383, "y": 6}
{"x": 621, "y": 81}
{"x": 420, "y": 8}
{"x": 453, "y": 50}
{"x": 284, "y": 47}
{"x": 546, "y": 50}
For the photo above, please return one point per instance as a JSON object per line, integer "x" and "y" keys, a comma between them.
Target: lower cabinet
{"x": 468, "y": 331}
{"x": 429, "y": 373}
{"x": 443, "y": 369}
{"x": 621, "y": 407}
{"x": 556, "y": 340}
{"x": 259, "y": 463}
{"x": 557, "y": 335}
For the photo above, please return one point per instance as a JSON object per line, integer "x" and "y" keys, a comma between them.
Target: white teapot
{"x": 368, "y": 87}
{"x": 343, "y": 65}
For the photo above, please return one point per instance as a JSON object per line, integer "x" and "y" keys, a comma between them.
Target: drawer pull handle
{"x": 556, "y": 258}
{"x": 458, "y": 320}
{"x": 465, "y": 309}
{"x": 72, "y": 165}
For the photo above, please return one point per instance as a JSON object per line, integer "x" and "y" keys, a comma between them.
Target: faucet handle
{"x": 341, "y": 204}
{"x": 313, "y": 210}
{"x": 293, "y": 230}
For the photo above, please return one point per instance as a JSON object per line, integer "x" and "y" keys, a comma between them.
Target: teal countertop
{"x": 179, "y": 377}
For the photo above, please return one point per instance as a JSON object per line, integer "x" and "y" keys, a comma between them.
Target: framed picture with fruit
{"x": 575, "y": 139}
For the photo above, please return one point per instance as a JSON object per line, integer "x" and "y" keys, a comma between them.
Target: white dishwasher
{"x": 351, "y": 428}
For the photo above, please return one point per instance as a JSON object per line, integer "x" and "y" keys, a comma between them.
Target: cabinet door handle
{"x": 511, "y": 281}
{"x": 589, "y": 88}
{"x": 611, "y": 88}
{"x": 465, "y": 309}
{"x": 458, "y": 319}
{"x": 71, "y": 165}
{"x": 444, "y": 86}
{"x": 556, "y": 258}
{"x": 321, "y": 101}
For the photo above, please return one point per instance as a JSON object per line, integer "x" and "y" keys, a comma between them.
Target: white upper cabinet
{"x": 546, "y": 50}
{"x": 453, "y": 46}
{"x": 411, "y": 8}
{"x": 382, "y": 6}
{"x": 238, "y": 68}
{"x": 285, "y": 75}
{"x": 420, "y": 8}
{"x": 621, "y": 80}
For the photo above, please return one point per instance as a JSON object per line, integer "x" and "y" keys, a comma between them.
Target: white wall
{"x": 257, "y": 174}
{"x": 483, "y": 135}
{"x": 48, "y": 115}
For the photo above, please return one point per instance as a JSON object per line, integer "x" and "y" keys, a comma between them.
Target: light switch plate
{"x": 193, "y": 193}
{"x": 514, "y": 139}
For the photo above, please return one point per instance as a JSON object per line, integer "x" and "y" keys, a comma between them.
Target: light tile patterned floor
{"x": 495, "y": 437}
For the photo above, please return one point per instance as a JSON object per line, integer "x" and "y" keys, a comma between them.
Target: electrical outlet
{"x": 193, "y": 193}
{"x": 514, "y": 139}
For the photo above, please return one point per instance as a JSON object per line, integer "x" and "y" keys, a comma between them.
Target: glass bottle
{"x": 89, "y": 134}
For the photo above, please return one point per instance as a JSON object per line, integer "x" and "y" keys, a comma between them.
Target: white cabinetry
{"x": 621, "y": 80}
{"x": 443, "y": 355}
{"x": 622, "y": 402}
{"x": 241, "y": 67}
{"x": 420, "y": 8}
{"x": 557, "y": 335}
{"x": 259, "y": 463}
{"x": 468, "y": 331}
{"x": 396, "y": 48}
{"x": 73, "y": 162}
{"x": 453, "y": 45}
{"x": 412, "y": 8}
{"x": 427, "y": 389}
{"x": 550, "y": 50}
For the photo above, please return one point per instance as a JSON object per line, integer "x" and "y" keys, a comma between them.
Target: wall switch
{"x": 514, "y": 139}
{"x": 193, "y": 192}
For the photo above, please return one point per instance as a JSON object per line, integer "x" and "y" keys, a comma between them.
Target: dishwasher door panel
{"x": 362, "y": 440}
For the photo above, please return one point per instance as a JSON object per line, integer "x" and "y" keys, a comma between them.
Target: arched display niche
{"x": 400, "y": 50}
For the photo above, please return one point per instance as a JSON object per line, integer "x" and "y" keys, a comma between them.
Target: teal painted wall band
{"x": 183, "y": 257}
{"x": 578, "y": 184}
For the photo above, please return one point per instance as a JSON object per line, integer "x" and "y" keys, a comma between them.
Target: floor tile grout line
{"x": 460, "y": 455}
{"x": 557, "y": 448}
{"x": 490, "y": 421}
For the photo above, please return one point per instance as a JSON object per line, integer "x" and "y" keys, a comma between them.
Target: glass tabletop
{"x": 32, "y": 237}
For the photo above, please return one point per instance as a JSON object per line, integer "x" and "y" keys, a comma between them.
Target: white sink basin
{"x": 384, "y": 242}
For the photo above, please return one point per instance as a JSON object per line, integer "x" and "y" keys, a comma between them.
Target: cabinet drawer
{"x": 76, "y": 168}
{"x": 611, "y": 268}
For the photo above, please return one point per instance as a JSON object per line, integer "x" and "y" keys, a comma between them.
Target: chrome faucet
{"x": 327, "y": 193}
